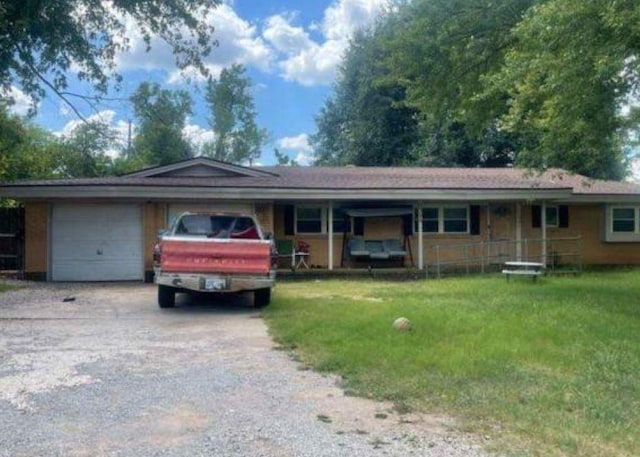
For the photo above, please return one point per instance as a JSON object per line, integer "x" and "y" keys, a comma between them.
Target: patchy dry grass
{"x": 546, "y": 368}
{"x": 5, "y": 287}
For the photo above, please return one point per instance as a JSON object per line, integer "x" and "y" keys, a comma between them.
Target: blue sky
{"x": 291, "y": 50}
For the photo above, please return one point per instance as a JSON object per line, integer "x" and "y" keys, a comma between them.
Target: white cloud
{"x": 194, "y": 133}
{"x": 239, "y": 42}
{"x": 197, "y": 135}
{"x": 286, "y": 38}
{"x": 105, "y": 117}
{"x": 120, "y": 127}
{"x": 312, "y": 63}
{"x": 344, "y": 17}
{"x": 304, "y": 159}
{"x": 300, "y": 146}
{"x": 299, "y": 142}
{"x": 20, "y": 102}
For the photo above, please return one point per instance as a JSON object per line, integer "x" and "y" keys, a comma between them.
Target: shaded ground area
{"x": 108, "y": 373}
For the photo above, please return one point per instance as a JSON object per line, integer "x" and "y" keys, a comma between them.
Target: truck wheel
{"x": 262, "y": 297}
{"x": 166, "y": 297}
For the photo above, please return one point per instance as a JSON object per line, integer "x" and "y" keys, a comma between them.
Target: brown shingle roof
{"x": 354, "y": 178}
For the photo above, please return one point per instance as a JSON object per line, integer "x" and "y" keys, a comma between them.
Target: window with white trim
{"x": 445, "y": 219}
{"x": 624, "y": 220}
{"x": 310, "y": 219}
{"x": 623, "y": 224}
{"x": 430, "y": 220}
{"x": 455, "y": 219}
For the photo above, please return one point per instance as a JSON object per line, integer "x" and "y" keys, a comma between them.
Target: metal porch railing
{"x": 563, "y": 255}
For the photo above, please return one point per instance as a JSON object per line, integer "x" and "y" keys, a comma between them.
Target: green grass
{"x": 5, "y": 287}
{"x": 546, "y": 368}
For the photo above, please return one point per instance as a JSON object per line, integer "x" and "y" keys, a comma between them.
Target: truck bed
{"x": 215, "y": 256}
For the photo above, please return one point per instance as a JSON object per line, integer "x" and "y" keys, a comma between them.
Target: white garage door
{"x": 96, "y": 242}
{"x": 176, "y": 209}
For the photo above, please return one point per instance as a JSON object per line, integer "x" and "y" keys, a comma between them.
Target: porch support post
{"x": 543, "y": 222}
{"x": 519, "y": 231}
{"x": 420, "y": 240}
{"x": 330, "y": 243}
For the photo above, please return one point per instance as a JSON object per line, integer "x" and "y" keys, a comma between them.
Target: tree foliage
{"x": 31, "y": 152}
{"x": 162, "y": 115}
{"x": 541, "y": 82}
{"x": 26, "y": 151}
{"x": 84, "y": 152}
{"x": 576, "y": 64}
{"x": 42, "y": 41}
{"x": 363, "y": 122}
{"x": 370, "y": 119}
{"x": 238, "y": 138}
{"x": 552, "y": 72}
{"x": 284, "y": 159}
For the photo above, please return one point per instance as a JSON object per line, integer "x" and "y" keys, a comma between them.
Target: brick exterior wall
{"x": 36, "y": 240}
{"x": 585, "y": 221}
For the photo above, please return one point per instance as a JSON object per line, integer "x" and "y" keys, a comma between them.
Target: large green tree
{"x": 238, "y": 138}
{"x": 554, "y": 73}
{"x": 575, "y": 66}
{"x": 363, "y": 123}
{"x": 26, "y": 150}
{"x": 43, "y": 41}
{"x": 84, "y": 152}
{"x": 370, "y": 120}
{"x": 162, "y": 115}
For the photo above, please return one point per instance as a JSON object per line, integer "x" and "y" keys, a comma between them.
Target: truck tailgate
{"x": 216, "y": 256}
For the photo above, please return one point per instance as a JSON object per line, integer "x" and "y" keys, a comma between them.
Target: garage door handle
{"x": 99, "y": 251}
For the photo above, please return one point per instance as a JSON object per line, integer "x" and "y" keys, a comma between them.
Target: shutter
{"x": 407, "y": 225}
{"x": 563, "y": 216}
{"x": 474, "y": 213}
{"x": 358, "y": 226}
{"x": 289, "y": 219}
{"x": 536, "y": 216}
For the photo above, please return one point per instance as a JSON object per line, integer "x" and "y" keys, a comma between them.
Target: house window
{"x": 455, "y": 220}
{"x": 623, "y": 224}
{"x": 552, "y": 216}
{"x": 309, "y": 219}
{"x": 445, "y": 219}
{"x": 624, "y": 220}
{"x": 430, "y": 220}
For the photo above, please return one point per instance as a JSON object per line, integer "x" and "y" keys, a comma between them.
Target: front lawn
{"x": 5, "y": 287}
{"x": 546, "y": 368}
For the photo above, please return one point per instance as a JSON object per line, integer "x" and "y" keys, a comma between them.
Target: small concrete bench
{"x": 531, "y": 269}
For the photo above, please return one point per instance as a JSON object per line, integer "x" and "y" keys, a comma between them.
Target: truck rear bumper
{"x": 213, "y": 282}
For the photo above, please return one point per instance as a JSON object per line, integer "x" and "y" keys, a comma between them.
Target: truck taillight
{"x": 157, "y": 255}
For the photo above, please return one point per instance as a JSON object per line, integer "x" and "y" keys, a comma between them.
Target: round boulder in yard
{"x": 402, "y": 324}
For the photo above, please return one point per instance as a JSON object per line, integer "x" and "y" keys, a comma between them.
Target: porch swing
{"x": 359, "y": 249}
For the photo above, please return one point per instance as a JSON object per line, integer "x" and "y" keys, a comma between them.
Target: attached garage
{"x": 96, "y": 242}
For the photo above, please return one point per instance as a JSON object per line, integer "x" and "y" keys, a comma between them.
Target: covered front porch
{"x": 416, "y": 238}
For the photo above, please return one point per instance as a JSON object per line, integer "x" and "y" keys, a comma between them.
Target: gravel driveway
{"x": 109, "y": 373}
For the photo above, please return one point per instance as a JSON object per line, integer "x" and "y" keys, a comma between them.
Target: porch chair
{"x": 285, "y": 249}
{"x": 288, "y": 249}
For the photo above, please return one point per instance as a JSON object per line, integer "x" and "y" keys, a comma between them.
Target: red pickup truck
{"x": 217, "y": 253}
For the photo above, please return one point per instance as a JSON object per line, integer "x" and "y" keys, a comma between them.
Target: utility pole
{"x": 129, "y": 140}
